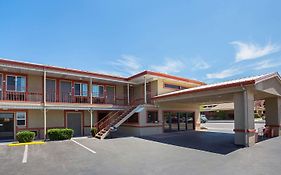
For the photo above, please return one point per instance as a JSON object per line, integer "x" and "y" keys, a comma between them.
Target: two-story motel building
{"x": 37, "y": 97}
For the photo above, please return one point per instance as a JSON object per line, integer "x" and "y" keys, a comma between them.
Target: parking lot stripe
{"x": 24, "y": 159}
{"x": 83, "y": 146}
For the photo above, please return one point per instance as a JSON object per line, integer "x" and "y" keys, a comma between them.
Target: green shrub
{"x": 25, "y": 136}
{"x": 94, "y": 131}
{"x": 60, "y": 134}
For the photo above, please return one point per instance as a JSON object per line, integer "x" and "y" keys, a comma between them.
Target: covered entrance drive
{"x": 243, "y": 93}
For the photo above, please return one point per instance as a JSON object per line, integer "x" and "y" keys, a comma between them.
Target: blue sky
{"x": 210, "y": 41}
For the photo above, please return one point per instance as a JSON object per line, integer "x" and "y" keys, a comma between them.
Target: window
{"x": 16, "y": 83}
{"x": 98, "y": 91}
{"x": 172, "y": 86}
{"x": 81, "y": 89}
{"x": 152, "y": 116}
{"x": 21, "y": 118}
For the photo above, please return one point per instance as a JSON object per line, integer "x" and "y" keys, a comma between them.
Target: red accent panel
{"x": 245, "y": 130}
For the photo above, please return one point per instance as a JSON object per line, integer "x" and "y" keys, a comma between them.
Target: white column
{"x": 197, "y": 120}
{"x": 44, "y": 104}
{"x": 128, "y": 93}
{"x": 273, "y": 115}
{"x": 45, "y": 123}
{"x": 91, "y": 91}
{"x": 91, "y": 114}
{"x": 44, "y": 88}
{"x": 244, "y": 126}
{"x": 145, "y": 100}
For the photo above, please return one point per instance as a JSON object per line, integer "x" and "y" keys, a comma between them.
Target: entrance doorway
{"x": 6, "y": 126}
{"x": 74, "y": 122}
{"x": 178, "y": 121}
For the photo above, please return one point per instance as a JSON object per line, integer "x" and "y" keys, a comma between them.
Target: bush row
{"x": 25, "y": 136}
{"x": 53, "y": 134}
{"x": 60, "y": 134}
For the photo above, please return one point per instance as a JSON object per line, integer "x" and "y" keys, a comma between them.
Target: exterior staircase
{"x": 113, "y": 120}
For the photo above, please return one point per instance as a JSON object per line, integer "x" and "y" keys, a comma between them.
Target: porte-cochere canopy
{"x": 243, "y": 92}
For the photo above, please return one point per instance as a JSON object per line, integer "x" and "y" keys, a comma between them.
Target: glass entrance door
{"x": 190, "y": 121}
{"x": 182, "y": 121}
{"x": 178, "y": 121}
{"x": 6, "y": 126}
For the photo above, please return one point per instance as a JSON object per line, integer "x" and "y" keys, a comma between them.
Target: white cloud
{"x": 170, "y": 66}
{"x": 127, "y": 64}
{"x": 200, "y": 64}
{"x": 266, "y": 64}
{"x": 224, "y": 74}
{"x": 248, "y": 51}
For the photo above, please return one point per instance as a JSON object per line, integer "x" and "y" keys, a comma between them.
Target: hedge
{"x": 60, "y": 134}
{"x": 25, "y": 136}
{"x": 94, "y": 131}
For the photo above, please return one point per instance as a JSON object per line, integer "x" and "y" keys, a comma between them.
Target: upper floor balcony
{"x": 24, "y": 88}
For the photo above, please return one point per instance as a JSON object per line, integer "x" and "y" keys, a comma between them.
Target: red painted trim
{"x": 245, "y": 130}
{"x": 138, "y": 126}
{"x": 165, "y": 76}
{"x": 208, "y": 88}
{"x": 46, "y": 67}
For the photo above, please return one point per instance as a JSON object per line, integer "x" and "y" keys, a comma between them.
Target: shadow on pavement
{"x": 220, "y": 143}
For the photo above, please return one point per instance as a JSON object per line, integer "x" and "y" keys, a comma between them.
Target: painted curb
{"x": 28, "y": 143}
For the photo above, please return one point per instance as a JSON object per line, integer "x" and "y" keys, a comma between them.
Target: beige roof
{"x": 237, "y": 82}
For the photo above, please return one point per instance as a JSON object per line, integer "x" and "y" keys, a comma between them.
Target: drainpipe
{"x": 145, "y": 101}
{"x": 91, "y": 91}
{"x": 91, "y": 114}
{"x": 128, "y": 93}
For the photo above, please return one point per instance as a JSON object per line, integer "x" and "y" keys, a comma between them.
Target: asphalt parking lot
{"x": 173, "y": 153}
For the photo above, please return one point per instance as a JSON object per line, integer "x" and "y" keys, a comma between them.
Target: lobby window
{"x": 16, "y": 83}
{"x": 81, "y": 89}
{"x": 21, "y": 118}
{"x": 98, "y": 91}
{"x": 152, "y": 117}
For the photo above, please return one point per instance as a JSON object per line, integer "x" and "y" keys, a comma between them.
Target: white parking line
{"x": 24, "y": 159}
{"x": 92, "y": 151}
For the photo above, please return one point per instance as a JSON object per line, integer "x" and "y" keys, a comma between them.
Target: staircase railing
{"x": 102, "y": 120}
{"x": 106, "y": 124}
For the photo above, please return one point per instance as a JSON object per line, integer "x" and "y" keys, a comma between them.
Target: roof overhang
{"x": 264, "y": 86}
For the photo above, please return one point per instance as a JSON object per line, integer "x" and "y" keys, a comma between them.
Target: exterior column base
{"x": 197, "y": 127}
{"x": 245, "y": 137}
